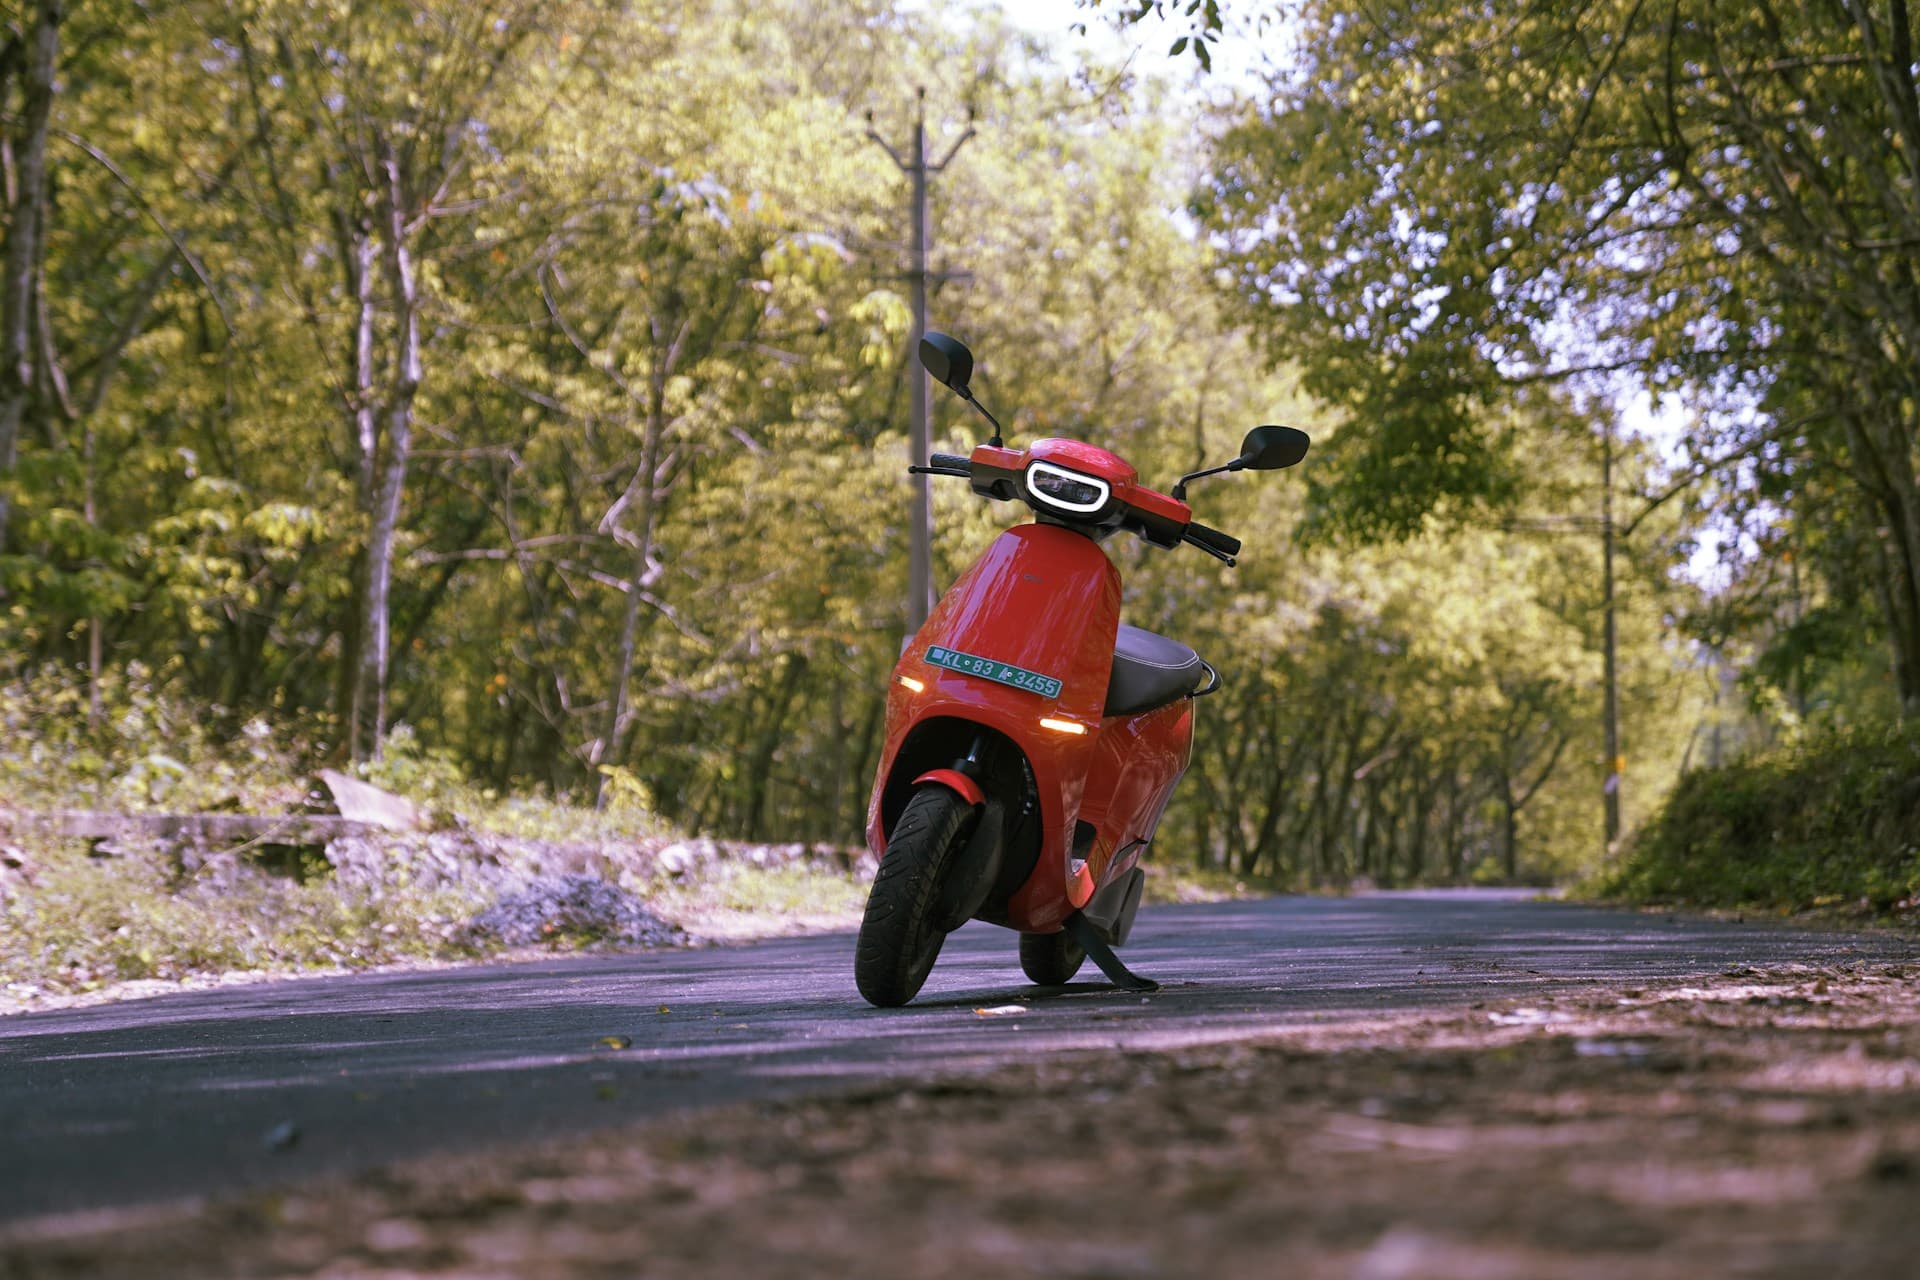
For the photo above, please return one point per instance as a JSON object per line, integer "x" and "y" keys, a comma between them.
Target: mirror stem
{"x": 1180, "y": 489}
{"x": 967, "y": 395}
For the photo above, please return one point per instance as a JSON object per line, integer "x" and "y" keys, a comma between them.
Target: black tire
{"x": 900, "y": 935}
{"x": 1051, "y": 959}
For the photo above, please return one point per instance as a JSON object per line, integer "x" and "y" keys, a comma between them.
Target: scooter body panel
{"x": 1044, "y": 601}
{"x": 1137, "y": 761}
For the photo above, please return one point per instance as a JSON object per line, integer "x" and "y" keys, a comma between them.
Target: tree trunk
{"x": 1203, "y": 851}
{"x": 358, "y": 256}
{"x": 642, "y": 491}
{"x": 863, "y": 767}
{"x": 1389, "y": 815}
{"x": 772, "y": 733}
{"x": 826, "y": 808}
{"x": 1455, "y": 845}
{"x": 405, "y": 389}
{"x": 386, "y": 469}
{"x": 1904, "y": 624}
{"x": 1509, "y": 830}
{"x": 1417, "y": 838}
{"x": 25, "y": 234}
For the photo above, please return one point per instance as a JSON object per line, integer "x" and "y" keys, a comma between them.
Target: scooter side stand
{"x": 1084, "y": 933}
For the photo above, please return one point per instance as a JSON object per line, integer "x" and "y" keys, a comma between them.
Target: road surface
{"x": 214, "y": 1091}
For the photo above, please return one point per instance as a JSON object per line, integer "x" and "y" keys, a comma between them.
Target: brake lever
{"x": 1221, "y": 556}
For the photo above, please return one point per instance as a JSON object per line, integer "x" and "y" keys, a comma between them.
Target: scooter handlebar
{"x": 1153, "y": 526}
{"x": 1215, "y": 543}
{"x": 945, "y": 464}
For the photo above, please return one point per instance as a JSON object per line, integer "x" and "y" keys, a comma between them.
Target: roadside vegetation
{"x": 83, "y": 922}
{"x": 1465, "y": 222}
{"x": 491, "y": 874}
{"x": 77, "y": 919}
{"x": 1831, "y": 823}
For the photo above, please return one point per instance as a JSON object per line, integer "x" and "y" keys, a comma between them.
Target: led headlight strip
{"x": 1038, "y": 473}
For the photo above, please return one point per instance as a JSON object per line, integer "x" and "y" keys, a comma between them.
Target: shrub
{"x": 1834, "y": 819}
{"x": 147, "y": 749}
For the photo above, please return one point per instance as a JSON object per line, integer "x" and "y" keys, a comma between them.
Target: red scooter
{"x": 1033, "y": 739}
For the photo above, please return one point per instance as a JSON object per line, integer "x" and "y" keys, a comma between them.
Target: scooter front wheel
{"x": 900, "y": 935}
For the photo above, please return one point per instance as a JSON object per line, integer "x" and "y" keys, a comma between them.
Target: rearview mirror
{"x": 1272, "y": 448}
{"x": 948, "y": 360}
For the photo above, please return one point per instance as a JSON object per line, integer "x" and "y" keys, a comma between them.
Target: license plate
{"x": 991, "y": 669}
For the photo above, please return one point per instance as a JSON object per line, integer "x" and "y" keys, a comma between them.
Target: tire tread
{"x": 894, "y": 952}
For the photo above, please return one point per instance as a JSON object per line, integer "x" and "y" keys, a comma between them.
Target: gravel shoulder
{"x": 1762, "y": 1123}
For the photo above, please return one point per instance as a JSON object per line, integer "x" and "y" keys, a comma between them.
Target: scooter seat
{"x": 1149, "y": 671}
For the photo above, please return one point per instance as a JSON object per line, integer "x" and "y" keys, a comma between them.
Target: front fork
{"x": 975, "y": 869}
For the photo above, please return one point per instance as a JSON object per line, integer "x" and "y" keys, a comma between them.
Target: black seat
{"x": 1149, "y": 671}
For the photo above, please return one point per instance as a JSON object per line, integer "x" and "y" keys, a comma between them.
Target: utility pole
{"x": 1615, "y": 765}
{"x": 920, "y": 430}
{"x": 1610, "y": 533}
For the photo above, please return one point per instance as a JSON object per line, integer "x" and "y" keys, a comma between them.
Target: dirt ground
{"x": 1761, "y": 1124}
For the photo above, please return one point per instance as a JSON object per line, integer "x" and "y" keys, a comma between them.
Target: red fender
{"x": 966, "y": 788}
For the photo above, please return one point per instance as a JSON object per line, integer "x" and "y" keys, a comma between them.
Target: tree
{"x": 1445, "y": 207}
{"x": 381, "y": 132}
{"x": 28, "y": 61}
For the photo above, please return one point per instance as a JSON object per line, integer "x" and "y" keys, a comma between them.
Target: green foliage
{"x": 1443, "y": 208}
{"x": 1833, "y": 820}
{"x": 139, "y": 747}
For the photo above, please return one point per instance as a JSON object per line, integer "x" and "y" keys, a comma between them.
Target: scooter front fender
{"x": 1042, "y": 605}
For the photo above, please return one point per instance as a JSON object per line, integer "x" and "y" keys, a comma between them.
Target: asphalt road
{"x": 215, "y": 1091}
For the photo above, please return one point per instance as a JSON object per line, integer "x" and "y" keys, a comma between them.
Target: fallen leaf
{"x": 617, "y": 1042}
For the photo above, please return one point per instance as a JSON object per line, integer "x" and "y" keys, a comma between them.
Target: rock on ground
{"x": 576, "y": 908}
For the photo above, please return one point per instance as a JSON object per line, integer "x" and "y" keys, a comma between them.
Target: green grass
{"x": 772, "y": 893}
{"x": 1172, "y": 881}
{"x": 1833, "y": 821}
{"x": 85, "y": 922}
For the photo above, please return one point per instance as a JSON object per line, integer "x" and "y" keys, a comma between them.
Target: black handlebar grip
{"x": 951, "y": 462}
{"x": 1214, "y": 540}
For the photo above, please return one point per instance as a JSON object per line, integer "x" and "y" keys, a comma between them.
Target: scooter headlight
{"x": 1066, "y": 490}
